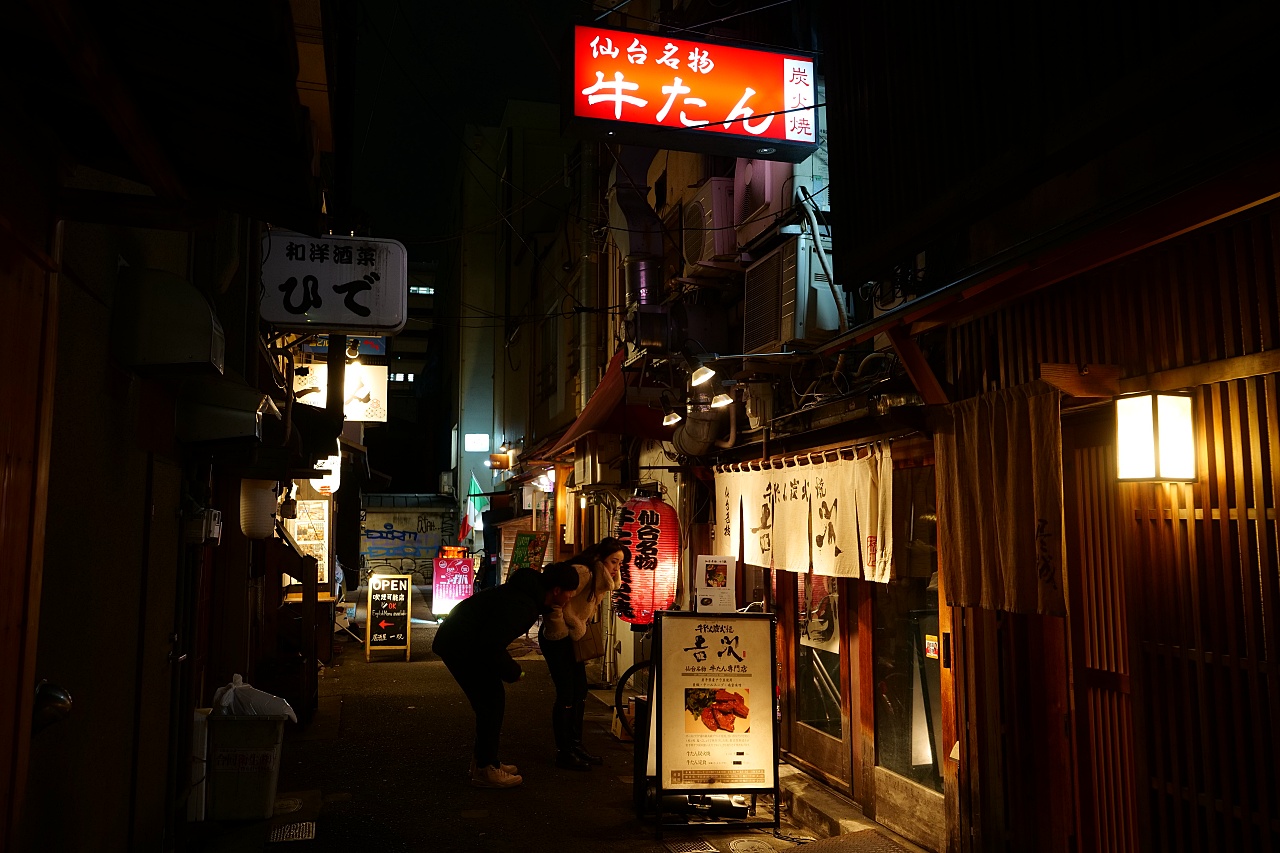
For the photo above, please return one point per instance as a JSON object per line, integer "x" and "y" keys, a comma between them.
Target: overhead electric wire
{"x": 673, "y": 29}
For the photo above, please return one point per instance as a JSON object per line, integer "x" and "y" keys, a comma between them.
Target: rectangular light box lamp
{"x": 1155, "y": 438}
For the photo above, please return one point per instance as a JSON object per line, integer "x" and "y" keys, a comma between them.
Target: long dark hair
{"x": 593, "y": 554}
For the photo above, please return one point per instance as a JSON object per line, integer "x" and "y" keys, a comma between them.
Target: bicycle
{"x": 635, "y": 681}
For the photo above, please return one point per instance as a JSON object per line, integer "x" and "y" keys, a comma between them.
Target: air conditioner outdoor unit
{"x": 708, "y": 223}
{"x": 595, "y": 460}
{"x": 786, "y": 298}
{"x": 761, "y": 191}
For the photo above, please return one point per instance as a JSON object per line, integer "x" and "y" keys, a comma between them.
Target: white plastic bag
{"x": 239, "y": 699}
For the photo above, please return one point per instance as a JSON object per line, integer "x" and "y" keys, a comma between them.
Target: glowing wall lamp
{"x": 650, "y": 529}
{"x": 1155, "y": 437}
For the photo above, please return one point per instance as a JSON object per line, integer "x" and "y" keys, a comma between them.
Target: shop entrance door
{"x": 814, "y": 646}
{"x": 26, "y": 385}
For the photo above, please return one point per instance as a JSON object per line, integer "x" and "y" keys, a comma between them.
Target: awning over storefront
{"x": 614, "y": 407}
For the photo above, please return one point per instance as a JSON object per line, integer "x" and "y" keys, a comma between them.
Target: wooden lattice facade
{"x": 1166, "y": 665}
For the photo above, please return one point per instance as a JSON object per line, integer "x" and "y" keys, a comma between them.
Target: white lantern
{"x": 1155, "y": 437}
{"x": 258, "y": 501}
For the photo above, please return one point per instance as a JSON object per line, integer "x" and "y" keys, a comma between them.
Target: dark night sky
{"x": 425, "y": 70}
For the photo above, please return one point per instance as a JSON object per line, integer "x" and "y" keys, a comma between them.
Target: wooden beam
{"x": 1085, "y": 380}
{"x": 1225, "y": 370}
{"x": 917, "y": 366}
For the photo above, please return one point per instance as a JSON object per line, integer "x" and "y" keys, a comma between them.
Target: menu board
{"x": 716, "y": 719}
{"x": 387, "y": 625}
{"x": 714, "y": 585}
{"x": 529, "y": 550}
{"x": 454, "y": 580}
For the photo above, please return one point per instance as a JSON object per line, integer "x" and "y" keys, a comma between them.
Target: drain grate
{"x": 305, "y": 831}
{"x": 750, "y": 845}
{"x": 691, "y": 845}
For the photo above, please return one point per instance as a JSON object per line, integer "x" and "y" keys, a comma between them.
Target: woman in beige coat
{"x": 599, "y": 573}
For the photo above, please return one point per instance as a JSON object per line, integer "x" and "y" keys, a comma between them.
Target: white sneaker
{"x": 494, "y": 777}
{"x": 506, "y": 768}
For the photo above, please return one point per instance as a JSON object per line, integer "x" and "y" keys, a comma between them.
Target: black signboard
{"x": 387, "y": 625}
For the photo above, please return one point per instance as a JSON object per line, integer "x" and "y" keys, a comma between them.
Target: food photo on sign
{"x": 717, "y": 710}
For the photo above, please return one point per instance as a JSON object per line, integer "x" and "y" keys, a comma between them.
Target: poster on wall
{"x": 716, "y": 719}
{"x": 714, "y": 585}
{"x": 310, "y": 530}
{"x": 454, "y": 580}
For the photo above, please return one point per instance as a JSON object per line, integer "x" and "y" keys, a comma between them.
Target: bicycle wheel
{"x": 634, "y": 682}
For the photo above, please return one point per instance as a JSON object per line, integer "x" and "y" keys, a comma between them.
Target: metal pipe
{"x": 588, "y": 279}
{"x": 822, "y": 258}
{"x": 337, "y": 360}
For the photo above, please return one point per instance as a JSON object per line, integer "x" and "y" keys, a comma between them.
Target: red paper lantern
{"x": 650, "y": 529}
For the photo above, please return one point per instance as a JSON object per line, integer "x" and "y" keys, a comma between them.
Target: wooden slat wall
{"x": 1099, "y": 637}
{"x": 1210, "y": 637}
{"x": 1201, "y": 565}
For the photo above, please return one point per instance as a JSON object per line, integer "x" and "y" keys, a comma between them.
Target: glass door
{"x": 814, "y": 642}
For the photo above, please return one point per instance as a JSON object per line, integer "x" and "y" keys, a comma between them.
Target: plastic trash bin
{"x": 243, "y": 766}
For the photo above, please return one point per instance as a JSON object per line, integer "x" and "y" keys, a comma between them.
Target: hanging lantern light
{"x": 650, "y": 529}
{"x": 258, "y": 499}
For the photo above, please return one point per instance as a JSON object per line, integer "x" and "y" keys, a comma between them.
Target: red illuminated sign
{"x": 677, "y": 93}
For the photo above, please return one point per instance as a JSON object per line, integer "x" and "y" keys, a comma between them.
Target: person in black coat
{"x": 472, "y": 641}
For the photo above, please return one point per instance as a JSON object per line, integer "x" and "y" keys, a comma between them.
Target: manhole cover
{"x": 690, "y": 845}
{"x": 750, "y": 845}
{"x": 287, "y": 805}
{"x": 295, "y": 832}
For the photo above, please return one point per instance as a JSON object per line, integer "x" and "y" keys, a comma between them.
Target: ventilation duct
{"x": 644, "y": 279}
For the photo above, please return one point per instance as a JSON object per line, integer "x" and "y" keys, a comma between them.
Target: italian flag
{"x": 476, "y": 504}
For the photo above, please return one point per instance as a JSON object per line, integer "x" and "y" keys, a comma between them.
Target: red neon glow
{"x": 648, "y": 78}
{"x": 650, "y": 529}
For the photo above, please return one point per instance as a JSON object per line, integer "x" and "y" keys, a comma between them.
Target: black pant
{"x": 570, "y": 679}
{"x": 479, "y": 680}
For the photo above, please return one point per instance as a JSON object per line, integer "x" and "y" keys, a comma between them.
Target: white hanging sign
{"x": 334, "y": 283}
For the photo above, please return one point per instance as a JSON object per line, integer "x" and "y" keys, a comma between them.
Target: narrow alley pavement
{"x": 383, "y": 767}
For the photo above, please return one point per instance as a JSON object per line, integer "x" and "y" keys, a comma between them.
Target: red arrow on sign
{"x": 384, "y": 623}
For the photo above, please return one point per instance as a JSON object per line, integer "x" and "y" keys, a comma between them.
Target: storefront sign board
{"x": 387, "y": 624}
{"x": 333, "y": 283}
{"x": 454, "y": 580}
{"x": 715, "y": 720}
{"x": 648, "y": 88}
{"x": 529, "y": 550}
